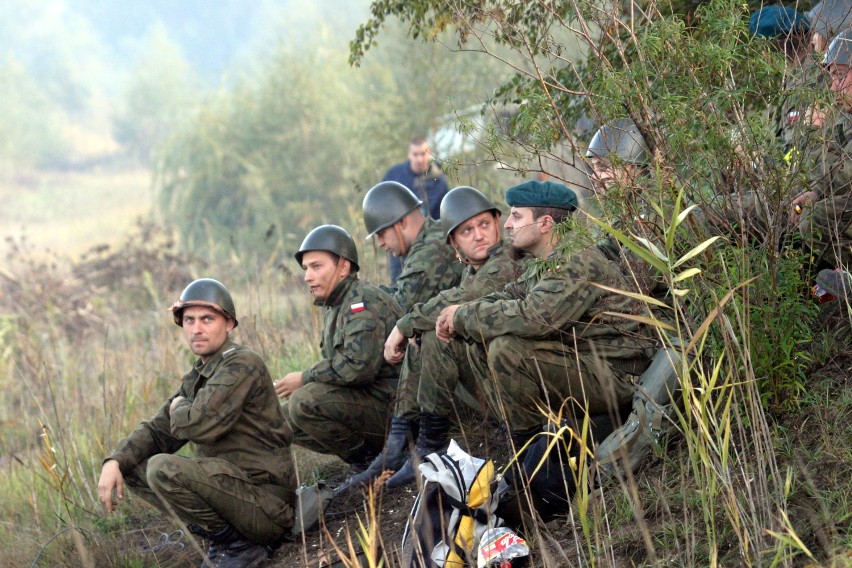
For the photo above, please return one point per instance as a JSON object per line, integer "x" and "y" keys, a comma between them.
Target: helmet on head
{"x": 622, "y": 138}
{"x": 385, "y": 204}
{"x": 460, "y": 204}
{"x": 830, "y": 17}
{"x": 840, "y": 50}
{"x": 333, "y": 239}
{"x": 205, "y": 292}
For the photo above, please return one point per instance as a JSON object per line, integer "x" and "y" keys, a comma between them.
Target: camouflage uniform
{"x": 827, "y": 225}
{"x": 549, "y": 340}
{"x": 797, "y": 94}
{"x": 430, "y": 267}
{"x": 242, "y": 473}
{"x": 344, "y": 403}
{"x": 439, "y": 373}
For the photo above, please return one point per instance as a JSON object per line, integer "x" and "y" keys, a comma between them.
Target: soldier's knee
{"x": 300, "y": 407}
{"x": 161, "y": 470}
{"x": 501, "y": 349}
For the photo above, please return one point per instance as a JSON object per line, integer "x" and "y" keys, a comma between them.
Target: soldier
{"x": 470, "y": 223}
{"x": 238, "y": 492}
{"x": 548, "y": 341}
{"x": 824, "y": 211}
{"x": 392, "y": 215}
{"x": 341, "y": 404}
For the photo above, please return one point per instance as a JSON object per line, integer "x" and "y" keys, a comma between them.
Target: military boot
{"x": 392, "y": 457}
{"x": 651, "y": 418}
{"x": 361, "y": 457}
{"x": 230, "y": 549}
{"x": 433, "y": 436}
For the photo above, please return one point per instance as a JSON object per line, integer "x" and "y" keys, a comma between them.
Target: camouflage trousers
{"x": 405, "y": 405}
{"x": 522, "y": 379}
{"x": 446, "y": 377}
{"x": 827, "y": 229}
{"x": 331, "y": 419}
{"x": 212, "y": 493}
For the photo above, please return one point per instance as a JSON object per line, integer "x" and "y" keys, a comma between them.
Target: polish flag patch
{"x": 359, "y": 307}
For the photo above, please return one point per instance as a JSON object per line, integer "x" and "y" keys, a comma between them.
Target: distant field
{"x": 70, "y": 212}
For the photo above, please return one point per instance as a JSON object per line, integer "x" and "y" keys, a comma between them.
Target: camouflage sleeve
{"x": 219, "y": 403}
{"x": 357, "y": 352}
{"x": 555, "y": 303}
{"x": 421, "y": 280}
{"x": 150, "y": 437}
{"x": 490, "y": 278}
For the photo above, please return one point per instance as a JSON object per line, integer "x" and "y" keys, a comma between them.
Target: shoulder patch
{"x": 359, "y": 307}
{"x": 228, "y": 353}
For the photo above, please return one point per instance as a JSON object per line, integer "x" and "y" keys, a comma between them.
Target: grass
{"x": 740, "y": 486}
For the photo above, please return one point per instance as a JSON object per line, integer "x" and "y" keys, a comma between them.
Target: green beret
{"x": 535, "y": 193}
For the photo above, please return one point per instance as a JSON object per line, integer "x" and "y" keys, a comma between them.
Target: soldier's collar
{"x": 207, "y": 369}
{"x": 337, "y": 294}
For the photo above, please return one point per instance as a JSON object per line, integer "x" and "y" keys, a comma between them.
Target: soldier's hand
{"x": 815, "y": 117}
{"x": 395, "y": 346}
{"x": 111, "y": 479}
{"x": 803, "y": 200}
{"x": 175, "y": 401}
{"x": 444, "y": 328}
{"x": 289, "y": 384}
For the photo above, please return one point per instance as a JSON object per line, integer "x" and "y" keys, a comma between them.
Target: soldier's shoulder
{"x": 242, "y": 356}
{"x": 371, "y": 296}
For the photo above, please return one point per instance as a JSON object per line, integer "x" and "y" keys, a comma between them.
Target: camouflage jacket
{"x": 498, "y": 270}
{"x": 230, "y": 412}
{"x": 797, "y": 95}
{"x": 561, "y": 303}
{"x": 429, "y": 267}
{"x": 358, "y": 319}
{"x": 830, "y": 163}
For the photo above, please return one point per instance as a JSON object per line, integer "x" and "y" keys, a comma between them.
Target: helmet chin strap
{"x": 403, "y": 246}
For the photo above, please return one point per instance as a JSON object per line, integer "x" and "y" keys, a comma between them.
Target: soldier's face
{"x": 476, "y": 235}
{"x": 323, "y": 273}
{"x": 205, "y": 330}
{"x": 389, "y": 239}
{"x": 419, "y": 157}
{"x": 524, "y": 231}
{"x": 841, "y": 84}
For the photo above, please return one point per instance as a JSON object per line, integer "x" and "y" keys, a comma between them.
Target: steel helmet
{"x": 333, "y": 239}
{"x": 205, "y": 292}
{"x": 385, "y": 204}
{"x": 840, "y": 50}
{"x": 460, "y": 204}
{"x": 622, "y": 138}
{"x": 830, "y": 17}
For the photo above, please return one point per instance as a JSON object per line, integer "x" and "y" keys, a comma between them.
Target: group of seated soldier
{"x": 521, "y": 328}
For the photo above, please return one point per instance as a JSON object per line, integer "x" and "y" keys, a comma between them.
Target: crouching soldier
{"x": 549, "y": 342}
{"x": 238, "y": 490}
{"x": 471, "y": 224}
{"x": 341, "y": 405}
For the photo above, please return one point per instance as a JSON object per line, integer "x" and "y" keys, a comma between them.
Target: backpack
{"x": 454, "y": 507}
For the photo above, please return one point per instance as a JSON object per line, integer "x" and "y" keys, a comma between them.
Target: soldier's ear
{"x": 546, "y": 223}
{"x": 344, "y": 267}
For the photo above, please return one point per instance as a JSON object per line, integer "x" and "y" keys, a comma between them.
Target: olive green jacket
{"x": 429, "y": 267}
{"x": 230, "y": 411}
{"x": 498, "y": 270}
{"x": 562, "y": 303}
{"x": 358, "y": 319}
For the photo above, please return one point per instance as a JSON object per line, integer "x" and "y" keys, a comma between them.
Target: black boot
{"x": 392, "y": 457}
{"x": 230, "y": 549}
{"x": 431, "y": 438}
{"x": 361, "y": 457}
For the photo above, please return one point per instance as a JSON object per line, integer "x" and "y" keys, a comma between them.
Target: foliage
{"x": 158, "y": 93}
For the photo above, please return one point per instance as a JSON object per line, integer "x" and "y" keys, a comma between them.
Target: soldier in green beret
{"x": 548, "y": 342}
